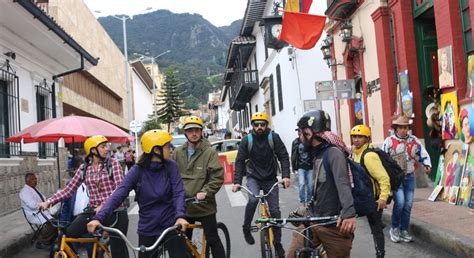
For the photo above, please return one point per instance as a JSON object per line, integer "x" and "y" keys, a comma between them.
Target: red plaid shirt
{"x": 99, "y": 185}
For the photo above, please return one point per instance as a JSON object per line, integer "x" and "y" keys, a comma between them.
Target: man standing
{"x": 332, "y": 188}
{"x": 360, "y": 137}
{"x": 203, "y": 176}
{"x": 302, "y": 162}
{"x": 261, "y": 165}
{"x": 120, "y": 157}
{"x": 30, "y": 199}
{"x": 408, "y": 151}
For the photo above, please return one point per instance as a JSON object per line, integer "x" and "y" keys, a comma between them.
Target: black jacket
{"x": 260, "y": 163}
{"x": 295, "y": 154}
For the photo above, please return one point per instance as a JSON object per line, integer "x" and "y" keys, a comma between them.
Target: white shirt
{"x": 119, "y": 156}
{"x": 29, "y": 202}
{"x": 82, "y": 199}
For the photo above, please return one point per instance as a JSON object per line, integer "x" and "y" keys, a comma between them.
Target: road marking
{"x": 236, "y": 199}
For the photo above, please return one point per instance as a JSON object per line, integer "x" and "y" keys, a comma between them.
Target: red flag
{"x": 302, "y": 30}
{"x": 298, "y": 6}
{"x": 306, "y": 5}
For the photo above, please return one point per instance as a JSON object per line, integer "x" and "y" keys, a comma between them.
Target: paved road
{"x": 231, "y": 210}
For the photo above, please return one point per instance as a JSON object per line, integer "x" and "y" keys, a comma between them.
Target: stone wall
{"x": 12, "y": 178}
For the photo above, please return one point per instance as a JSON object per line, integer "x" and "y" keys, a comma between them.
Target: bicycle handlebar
{"x": 282, "y": 221}
{"x": 194, "y": 200}
{"x": 141, "y": 248}
{"x": 260, "y": 196}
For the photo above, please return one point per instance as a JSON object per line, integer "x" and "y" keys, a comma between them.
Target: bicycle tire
{"x": 221, "y": 231}
{"x": 265, "y": 245}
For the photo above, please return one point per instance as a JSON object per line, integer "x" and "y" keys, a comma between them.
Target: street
{"x": 231, "y": 210}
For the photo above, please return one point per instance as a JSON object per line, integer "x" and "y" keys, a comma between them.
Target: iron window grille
{"x": 9, "y": 110}
{"x": 44, "y": 111}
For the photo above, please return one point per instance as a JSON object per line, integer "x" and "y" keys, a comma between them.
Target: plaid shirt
{"x": 100, "y": 186}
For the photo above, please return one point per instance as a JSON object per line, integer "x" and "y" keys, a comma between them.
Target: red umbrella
{"x": 71, "y": 129}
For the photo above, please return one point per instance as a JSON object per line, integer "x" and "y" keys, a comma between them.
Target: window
{"x": 43, "y": 112}
{"x": 466, "y": 26}
{"x": 9, "y": 112}
{"x": 280, "y": 93}
{"x": 272, "y": 95}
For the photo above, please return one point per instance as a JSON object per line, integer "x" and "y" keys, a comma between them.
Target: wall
{"x": 142, "y": 98}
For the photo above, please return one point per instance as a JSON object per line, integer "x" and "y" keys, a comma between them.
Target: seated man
{"x": 30, "y": 198}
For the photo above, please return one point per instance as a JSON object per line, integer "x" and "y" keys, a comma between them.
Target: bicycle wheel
{"x": 265, "y": 245}
{"x": 224, "y": 236}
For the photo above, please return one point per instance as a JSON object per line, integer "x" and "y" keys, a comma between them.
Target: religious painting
{"x": 445, "y": 67}
{"x": 455, "y": 159}
{"x": 406, "y": 95}
{"x": 449, "y": 114}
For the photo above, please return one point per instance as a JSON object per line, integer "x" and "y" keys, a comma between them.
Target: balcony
{"x": 340, "y": 9}
{"x": 244, "y": 84}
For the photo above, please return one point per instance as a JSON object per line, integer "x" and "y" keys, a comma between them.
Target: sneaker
{"x": 394, "y": 235}
{"x": 405, "y": 236}
{"x": 248, "y": 235}
{"x": 279, "y": 251}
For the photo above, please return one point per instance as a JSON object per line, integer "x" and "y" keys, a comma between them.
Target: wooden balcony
{"x": 341, "y": 9}
{"x": 244, "y": 84}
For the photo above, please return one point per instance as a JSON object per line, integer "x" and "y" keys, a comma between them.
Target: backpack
{"x": 250, "y": 141}
{"x": 394, "y": 171}
{"x": 110, "y": 171}
{"x": 362, "y": 190}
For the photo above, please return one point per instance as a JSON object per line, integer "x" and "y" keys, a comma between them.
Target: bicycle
{"x": 198, "y": 246}
{"x": 308, "y": 250}
{"x": 66, "y": 251}
{"x": 265, "y": 234}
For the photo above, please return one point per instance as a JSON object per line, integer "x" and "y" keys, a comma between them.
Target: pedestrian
{"x": 129, "y": 159}
{"x": 160, "y": 195}
{"x": 120, "y": 157}
{"x": 261, "y": 165}
{"x": 333, "y": 195}
{"x": 408, "y": 151}
{"x": 203, "y": 176}
{"x": 302, "y": 163}
{"x": 101, "y": 176}
{"x": 360, "y": 137}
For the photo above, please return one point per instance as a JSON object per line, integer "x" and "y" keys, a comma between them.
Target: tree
{"x": 152, "y": 123}
{"x": 169, "y": 99}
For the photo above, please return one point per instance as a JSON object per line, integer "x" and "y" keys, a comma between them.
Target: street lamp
{"x": 124, "y": 18}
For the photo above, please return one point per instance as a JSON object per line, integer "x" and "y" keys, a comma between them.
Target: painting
{"x": 455, "y": 159}
{"x": 453, "y": 194}
{"x": 439, "y": 171}
{"x": 470, "y": 77}
{"x": 466, "y": 123}
{"x": 445, "y": 67}
{"x": 466, "y": 183}
{"x": 406, "y": 95}
{"x": 435, "y": 193}
{"x": 449, "y": 109}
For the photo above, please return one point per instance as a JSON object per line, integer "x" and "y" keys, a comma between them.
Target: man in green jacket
{"x": 203, "y": 176}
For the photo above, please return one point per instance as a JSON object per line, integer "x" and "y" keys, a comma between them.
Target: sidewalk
{"x": 15, "y": 234}
{"x": 448, "y": 226}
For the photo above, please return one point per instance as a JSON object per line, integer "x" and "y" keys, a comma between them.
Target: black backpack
{"x": 394, "y": 171}
{"x": 362, "y": 191}
{"x": 109, "y": 165}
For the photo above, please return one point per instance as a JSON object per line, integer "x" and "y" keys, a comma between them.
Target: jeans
{"x": 376, "y": 227}
{"x": 209, "y": 224}
{"x": 305, "y": 185}
{"x": 403, "y": 201}
{"x": 255, "y": 186}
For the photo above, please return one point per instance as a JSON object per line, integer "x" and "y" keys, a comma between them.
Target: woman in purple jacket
{"x": 159, "y": 193}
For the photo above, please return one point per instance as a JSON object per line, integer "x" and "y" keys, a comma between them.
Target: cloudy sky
{"x": 218, "y": 12}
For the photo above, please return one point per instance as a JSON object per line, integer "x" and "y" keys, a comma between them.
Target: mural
{"x": 449, "y": 109}
{"x": 445, "y": 66}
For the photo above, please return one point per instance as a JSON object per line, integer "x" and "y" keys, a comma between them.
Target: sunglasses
{"x": 261, "y": 124}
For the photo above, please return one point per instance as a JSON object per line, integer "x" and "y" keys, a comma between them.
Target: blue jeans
{"x": 403, "y": 201}
{"x": 305, "y": 185}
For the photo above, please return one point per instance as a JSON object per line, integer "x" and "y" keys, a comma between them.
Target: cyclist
{"x": 159, "y": 193}
{"x": 203, "y": 176}
{"x": 332, "y": 189}
{"x": 360, "y": 137}
{"x": 261, "y": 166}
{"x": 408, "y": 151}
{"x": 101, "y": 180}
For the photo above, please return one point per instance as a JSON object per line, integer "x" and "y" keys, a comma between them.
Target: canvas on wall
{"x": 445, "y": 67}
{"x": 406, "y": 95}
{"x": 449, "y": 109}
{"x": 455, "y": 158}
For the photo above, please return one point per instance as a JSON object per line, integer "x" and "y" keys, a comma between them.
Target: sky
{"x": 218, "y": 12}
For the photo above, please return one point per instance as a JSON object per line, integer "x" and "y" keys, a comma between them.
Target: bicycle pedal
{"x": 254, "y": 228}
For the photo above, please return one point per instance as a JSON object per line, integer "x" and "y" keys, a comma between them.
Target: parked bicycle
{"x": 198, "y": 245}
{"x": 308, "y": 250}
{"x": 265, "y": 233}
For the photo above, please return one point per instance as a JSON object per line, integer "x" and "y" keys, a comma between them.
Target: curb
{"x": 447, "y": 240}
{"x": 15, "y": 245}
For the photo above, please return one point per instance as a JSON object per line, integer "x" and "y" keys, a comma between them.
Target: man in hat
{"x": 408, "y": 151}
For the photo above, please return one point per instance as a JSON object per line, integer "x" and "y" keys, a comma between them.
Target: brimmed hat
{"x": 189, "y": 126}
{"x": 401, "y": 120}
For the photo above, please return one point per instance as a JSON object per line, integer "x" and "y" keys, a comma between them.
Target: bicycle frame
{"x": 193, "y": 248}
{"x": 66, "y": 251}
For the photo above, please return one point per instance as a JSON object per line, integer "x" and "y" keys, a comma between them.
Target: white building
{"x": 279, "y": 82}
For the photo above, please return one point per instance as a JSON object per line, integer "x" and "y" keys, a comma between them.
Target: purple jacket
{"x": 160, "y": 199}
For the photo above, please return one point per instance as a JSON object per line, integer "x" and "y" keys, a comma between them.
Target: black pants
{"x": 173, "y": 242}
{"x": 209, "y": 224}
{"x": 118, "y": 220}
{"x": 376, "y": 226}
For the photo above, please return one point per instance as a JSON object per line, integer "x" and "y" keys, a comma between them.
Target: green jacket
{"x": 202, "y": 173}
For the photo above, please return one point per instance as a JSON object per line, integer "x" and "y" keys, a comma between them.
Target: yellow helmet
{"x": 361, "y": 130}
{"x": 154, "y": 138}
{"x": 193, "y": 122}
{"x": 93, "y": 142}
{"x": 260, "y": 116}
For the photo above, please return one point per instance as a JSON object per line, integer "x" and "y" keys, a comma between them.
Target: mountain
{"x": 198, "y": 48}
